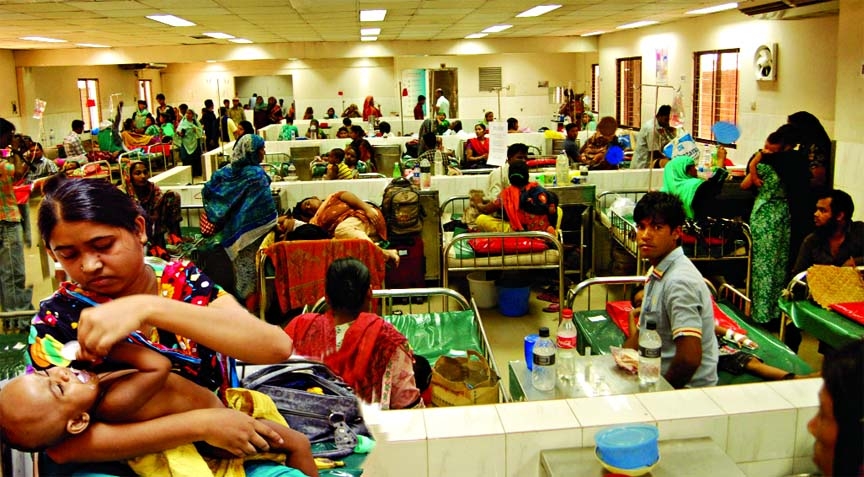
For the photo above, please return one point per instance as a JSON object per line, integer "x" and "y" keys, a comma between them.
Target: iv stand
{"x": 401, "y": 110}
{"x": 653, "y": 140}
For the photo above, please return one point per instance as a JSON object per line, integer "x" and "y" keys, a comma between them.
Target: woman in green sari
{"x": 189, "y": 134}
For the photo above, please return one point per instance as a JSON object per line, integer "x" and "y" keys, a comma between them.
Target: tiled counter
{"x": 761, "y": 427}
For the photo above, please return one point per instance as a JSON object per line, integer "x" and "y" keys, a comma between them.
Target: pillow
{"x": 507, "y": 245}
{"x": 619, "y": 312}
{"x": 852, "y": 310}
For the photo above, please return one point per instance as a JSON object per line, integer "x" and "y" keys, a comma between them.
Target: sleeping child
{"x": 40, "y": 409}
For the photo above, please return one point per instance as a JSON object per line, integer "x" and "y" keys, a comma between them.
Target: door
{"x": 447, "y": 80}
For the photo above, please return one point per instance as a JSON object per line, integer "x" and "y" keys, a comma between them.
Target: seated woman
{"x": 442, "y": 125}
{"x": 680, "y": 179}
{"x": 133, "y": 140}
{"x": 363, "y": 349}
{"x": 362, "y": 146}
{"x": 512, "y": 125}
{"x": 150, "y": 127}
{"x": 315, "y": 131}
{"x": 167, "y": 128}
{"x": 352, "y": 111}
{"x": 274, "y": 111}
{"x": 331, "y": 114}
{"x": 369, "y": 109}
{"x": 97, "y": 233}
{"x": 477, "y": 148}
{"x": 593, "y": 153}
{"x": 343, "y": 215}
{"x": 588, "y": 122}
{"x": 353, "y": 162}
{"x": 510, "y": 201}
{"x": 163, "y": 210}
{"x": 309, "y": 113}
{"x": 238, "y": 202}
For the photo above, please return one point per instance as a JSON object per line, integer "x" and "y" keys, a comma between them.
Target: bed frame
{"x": 550, "y": 259}
{"x": 623, "y": 232}
{"x": 798, "y": 289}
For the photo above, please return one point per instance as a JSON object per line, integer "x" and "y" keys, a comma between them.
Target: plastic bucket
{"x": 482, "y": 290}
{"x": 513, "y": 301}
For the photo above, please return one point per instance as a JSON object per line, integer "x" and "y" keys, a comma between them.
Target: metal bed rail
{"x": 797, "y": 289}
{"x": 586, "y": 285}
{"x": 385, "y": 298}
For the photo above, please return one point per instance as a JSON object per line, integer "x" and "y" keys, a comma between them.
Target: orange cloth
{"x": 301, "y": 267}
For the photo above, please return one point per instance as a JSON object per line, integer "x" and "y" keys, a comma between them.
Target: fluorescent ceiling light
{"x": 240, "y": 40}
{"x": 91, "y": 45}
{"x": 209, "y": 61}
{"x": 476, "y": 35}
{"x": 218, "y": 35}
{"x": 171, "y": 20}
{"x": 370, "y": 31}
{"x": 714, "y": 9}
{"x": 637, "y": 24}
{"x": 372, "y": 15}
{"x": 538, "y": 10}
{"x": 593, "y": 33}
{"x": 42, "y": 39}
{"x": 368, "y": 38}
{"x": 497, "y": 28}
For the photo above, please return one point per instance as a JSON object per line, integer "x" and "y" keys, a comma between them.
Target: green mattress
{"x": 600, "y": 335}
{"x": 432, "y": 335}
{"x": 832, "y": 328}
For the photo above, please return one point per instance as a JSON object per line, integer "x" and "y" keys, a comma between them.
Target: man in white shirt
{"x": 498, "y": 179}
{"x": 654, "y": 135}
{"x": 441, "y": 103}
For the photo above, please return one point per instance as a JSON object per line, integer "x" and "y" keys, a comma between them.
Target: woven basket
{"x": 829, "y": 285}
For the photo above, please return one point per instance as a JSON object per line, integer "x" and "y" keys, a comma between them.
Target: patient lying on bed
{"x": 40, "y": 409}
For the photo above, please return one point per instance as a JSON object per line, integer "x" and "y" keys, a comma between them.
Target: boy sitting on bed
{"x": 40, "y": 409}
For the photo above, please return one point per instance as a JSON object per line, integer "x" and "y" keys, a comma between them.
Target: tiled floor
{"x": 505, "y": 333}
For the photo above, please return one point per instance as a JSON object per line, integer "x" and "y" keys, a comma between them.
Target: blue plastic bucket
{"x": 513, "y": 301}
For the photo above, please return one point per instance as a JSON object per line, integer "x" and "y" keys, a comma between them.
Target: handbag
{"x": 315, "y": 402}
{"x": 464, "y": 381}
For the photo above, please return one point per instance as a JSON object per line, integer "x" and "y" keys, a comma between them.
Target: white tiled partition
{"x": 762, "y": 427}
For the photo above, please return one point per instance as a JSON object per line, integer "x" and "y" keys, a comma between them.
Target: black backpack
{"x": 331, "y": 420}
{"x": 401, "y": 208}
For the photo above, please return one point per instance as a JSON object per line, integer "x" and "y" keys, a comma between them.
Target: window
{"x": 628, "y": 84}
{"x": 91, "y": 112}
{"x": 145, "y": 92}
{"x": 715, "y": 90}
{"x": 595, "y": 88}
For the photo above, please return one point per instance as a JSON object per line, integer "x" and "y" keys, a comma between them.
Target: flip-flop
{"x": 550, "y": 297}
{"x": 553, "y": 308}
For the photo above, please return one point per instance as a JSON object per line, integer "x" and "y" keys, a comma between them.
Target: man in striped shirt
{"x": 676, "y": 297}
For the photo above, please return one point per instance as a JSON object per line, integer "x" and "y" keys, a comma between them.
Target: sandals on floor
{"x": 553, "y": 308}
{"x": 547, "y": 296}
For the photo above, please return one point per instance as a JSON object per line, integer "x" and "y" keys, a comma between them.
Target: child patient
{"x": 40, "y": 409}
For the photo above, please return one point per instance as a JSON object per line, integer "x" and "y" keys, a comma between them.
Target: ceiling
{"x": 122, "y": 23}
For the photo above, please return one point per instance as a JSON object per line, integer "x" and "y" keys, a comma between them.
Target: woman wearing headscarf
{"x": 163, "y": 210}
{"x": 274, "y": 111}
{"x": 813, "y": 141}
{"x": 369, "y": 109}
{"x": 189, "y": 133}
{"x": 697, "y": 195}
{"x": 593, "y": 153}
{"x": 309, "y": 113}
{"x": 352, "y": 111}
{"x": 511, "y": 202}
{"x": 238, "y": 203}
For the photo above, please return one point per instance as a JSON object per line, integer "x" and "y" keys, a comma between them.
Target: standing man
{"x": 676, "y": 298}
{"x": 420, "y": 107}
{"x": 442, "y": 105}
{"x": 211, "y": 125}
{"x": 571, "y": 147}
{"x": 140, "y": 116}
{"x": 165, "y": 109}
{"x": 236, "y": 111}
{"x": 654, "y": 135}
{"x": 14, "y": 294}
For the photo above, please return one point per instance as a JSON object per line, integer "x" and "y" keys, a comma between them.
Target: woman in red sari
{"x": 369, "y": 108}
{"x": 477, "y": 151}
{"x": 510, "y": 201}
{"x": 370, "y": 354}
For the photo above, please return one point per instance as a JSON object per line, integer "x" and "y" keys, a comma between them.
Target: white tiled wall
{"x": 762, "y": 427}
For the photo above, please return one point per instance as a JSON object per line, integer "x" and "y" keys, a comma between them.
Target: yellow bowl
{"x": 629, "y": 472}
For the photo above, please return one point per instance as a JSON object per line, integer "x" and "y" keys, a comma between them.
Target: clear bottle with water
{"x": 649, "y": 354}
{"x": 439, "y": 164}
{"x": 292, "y": 171}
{"x": 415, "y": 176}
{"x": 425, "y": 174}
{"x": 543, "y": 357}
{"x": 566, "y": 342}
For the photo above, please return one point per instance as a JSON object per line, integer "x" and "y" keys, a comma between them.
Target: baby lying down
{"x": 40, "y": 409}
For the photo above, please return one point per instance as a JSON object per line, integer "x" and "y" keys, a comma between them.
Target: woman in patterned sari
{"x": 163, "y": 210}
{"x": 363, "y": 349}
{"x": 98, "y": 234}
{"x": 770, "y": 227}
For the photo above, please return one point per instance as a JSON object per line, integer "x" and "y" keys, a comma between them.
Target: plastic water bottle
{"x": 425, "y": 174}
{"x": 649, "y": 354}
{"x": 704, "y": 167}
{"x": 397, "y": 171}
{"x": 566, "y": 342}
{"x": 313, "y": 132}
{"x": 439, "y": 164}
{"x": 292, "y": 171}
{"x": 416, "y": 174}
{"x": 562, "y": 169}
{"x": 293, "y": 134}
{"x": 543, "y": 357}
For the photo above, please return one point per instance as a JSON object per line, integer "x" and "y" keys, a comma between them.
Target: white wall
{"x": 806, "y": 77}
{"x": 9, "y": 91}
{"x": 849, "y": 106}
{"x": 520, "y": 72}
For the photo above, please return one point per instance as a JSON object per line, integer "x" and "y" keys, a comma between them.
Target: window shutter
{"x": 490, "y": 78}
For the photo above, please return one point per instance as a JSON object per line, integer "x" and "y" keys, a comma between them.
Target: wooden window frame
{"x": 632, "y": 95}
{"x": 717, "y": 85}
{"x": 91, "y": 115}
